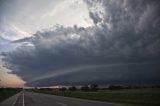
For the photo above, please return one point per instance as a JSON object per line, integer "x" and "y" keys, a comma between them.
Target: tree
{"x": 114, "y": 87}
{"x": 62, "y": 89}
{"x": 73, "y": 88}
{"x": 94, "y": 87}
{"x": 85, "y": 88}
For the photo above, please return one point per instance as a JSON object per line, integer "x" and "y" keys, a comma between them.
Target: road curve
{"x": 26, "y": 98}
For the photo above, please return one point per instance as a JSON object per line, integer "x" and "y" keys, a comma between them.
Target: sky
{"x": 76, "y": 42}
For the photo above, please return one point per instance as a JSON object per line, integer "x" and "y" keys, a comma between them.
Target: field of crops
{"x": 148, "y": 96}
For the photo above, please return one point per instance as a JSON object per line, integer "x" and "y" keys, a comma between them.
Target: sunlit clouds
{"x": 10, "y": 80}
{"x": 19, "y": 20}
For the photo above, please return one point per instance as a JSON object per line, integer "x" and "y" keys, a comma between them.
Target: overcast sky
{"x": 72, "y": 42}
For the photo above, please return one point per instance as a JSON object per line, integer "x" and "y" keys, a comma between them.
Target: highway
{"x": 25, "y": 98}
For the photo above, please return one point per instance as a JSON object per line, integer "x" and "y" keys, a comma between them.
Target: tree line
{"x": 95, "y": 87}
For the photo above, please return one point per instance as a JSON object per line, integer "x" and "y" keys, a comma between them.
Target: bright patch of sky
{"x": 21, "y": 18}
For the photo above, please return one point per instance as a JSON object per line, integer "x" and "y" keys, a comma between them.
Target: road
{"x": 26, "y": 98}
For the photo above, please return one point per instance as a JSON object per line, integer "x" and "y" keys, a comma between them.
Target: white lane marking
{"x": 16, "y": 100}
{"x": 23, "y": 97}
{"x": 62, "y": 104}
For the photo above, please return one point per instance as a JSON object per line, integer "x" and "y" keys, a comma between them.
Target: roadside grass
{"x": 5, "y": 94}
{"x": 147, "y": 97}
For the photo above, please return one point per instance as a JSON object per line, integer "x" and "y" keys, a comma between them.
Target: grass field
{"x": 148, "y": 97}
{"x": 5, "y": 94}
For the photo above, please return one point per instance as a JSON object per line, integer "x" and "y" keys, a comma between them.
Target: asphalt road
{"x": 26, "y": 98}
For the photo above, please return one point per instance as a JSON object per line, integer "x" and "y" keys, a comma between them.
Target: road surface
{"x": 26, "y": 98}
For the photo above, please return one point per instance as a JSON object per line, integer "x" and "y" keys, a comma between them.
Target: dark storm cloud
{"x": 108, "y": 74}
{"x": 95, "y": 17}
{"x": 123, "y": 44}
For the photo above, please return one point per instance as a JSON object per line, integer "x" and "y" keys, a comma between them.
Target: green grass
{"x": 5, "y": 94}
{"x": 148, "y": 97}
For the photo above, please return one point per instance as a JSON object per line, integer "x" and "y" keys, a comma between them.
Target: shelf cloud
{"x": 122, "y": 46}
